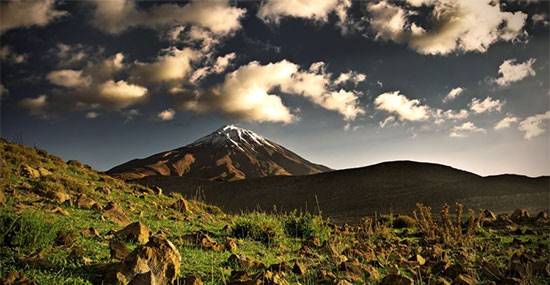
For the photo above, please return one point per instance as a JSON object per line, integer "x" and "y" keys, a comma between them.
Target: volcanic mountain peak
{"x": 233, "y": 135}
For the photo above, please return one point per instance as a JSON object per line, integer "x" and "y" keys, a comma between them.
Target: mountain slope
{"x": 230, "y": 153}
{"x": 347, "y": 195}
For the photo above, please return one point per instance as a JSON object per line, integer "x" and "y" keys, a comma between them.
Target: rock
{"x": 90, "y": 232}
{"x": 146, "y": 278}
{"x": 279, "y": 267}
{"x": 135, "y": 232}
{"x": 463, "y": 279}
{"x": 343, "y": 282}
{"x": 326, "y": 276}
{"x": 57, "y": 195}
{"x": 190, "y": 280}
{"x": 442, "y": 281}
{"x": 16, "y": 278}
{"x": 65, "y": 238}
{"x": 29, "y": 172}
{"x": 489, "y": 215}
{"x": 231, "y": 244}
{"x": 394, "y": 279}
{"x": 157, "y": 190}
{"x": 521, "y": 216}
{"x": 114, "y": 213}
{"x": 84, "y": 202}
{"x": 403, "y": 221}
{"x": 159, "y": 257}
{"x": 43, "y": 171}
{"x": 118, "y": 250}
{"x": 299, "y": 268}
{"x": 61, "y": 211}
{"x": 104, "y": 190}
{"x": 182, "y": 205}
{"x": 241, "y": 261}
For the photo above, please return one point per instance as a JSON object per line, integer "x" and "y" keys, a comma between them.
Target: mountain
{"x": 229, "y": 153}
{"x": 347, "y": 195}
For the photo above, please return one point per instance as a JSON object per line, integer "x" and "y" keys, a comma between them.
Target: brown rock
{"x": 118, "y": 250}
{"x": 442, "y": 281}
{"x": 190, "y": 280}
{"x": 231, "y": 244}
{"x": 57, "y": 195}
{"x": 182, "y": 205}
{"x": 61, "y": 211}
{"x": 114, "y": 213}
{"x": 90, "y": 232}
{"x": 343, "y": 282}
{"x": 489, "y": 215}
{"x": 241, "y": 261}
{"x": 394, "y": 279}
{"x": 85, "y": 202}
{"x": 146, "y": 278}
{"x": 43, "y": 171}
{"x": 135, "y": 232}
{"x": 16, "y": 278}
{"x": 463, "y": 279}
{"x": 159, "y": 256}
{"x": 29, "y": 172}
{"x": 299, "y": 268}
{"x": 521, "y": 216}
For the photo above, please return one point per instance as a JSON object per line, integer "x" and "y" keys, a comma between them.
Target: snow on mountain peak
{"x": 234, "y": 135}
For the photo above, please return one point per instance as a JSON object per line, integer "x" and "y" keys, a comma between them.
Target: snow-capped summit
{"x": 228, "y": 153}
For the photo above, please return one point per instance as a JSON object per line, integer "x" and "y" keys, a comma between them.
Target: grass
{"x": 385, "y": 244}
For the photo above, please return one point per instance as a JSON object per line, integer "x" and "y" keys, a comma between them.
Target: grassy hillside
{"x": 60, "y": 223}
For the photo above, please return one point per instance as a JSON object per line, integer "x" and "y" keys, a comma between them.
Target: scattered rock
{"x": 146, "y": 278}
{"x": 231, "y": 244}
{"x": 114, "y": 213}
{"x": 279, "y": 267}
{"x": 521, "y": 216}
{"x": 159, "y": 256}
{"x": 58, "y": 196}
{"x": 190, "y": 280}
{"x": 118, "y": 249}
{"x": 85, "y": 202}
{"x": 404, "y": 221}
{"x": 29, "y": 172}
{"x": 394, "y": 279}
{"x": 104, "y": 190}
{"x": 43, "y": 171}
{"x": 16, "y": 278}
{"x": 90, "y": 232}
{"x": 65, "y": 238}
{"x": 489, "y": 215}
{"x": 135, "y": 232}
{"x": 61, "y": 211}
{"x": 241, "y": 261}
{"x": 182, "y": 205}
{"x": 462, "y": 279}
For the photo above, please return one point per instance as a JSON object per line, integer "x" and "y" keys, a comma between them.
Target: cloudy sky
{"x": 343, "y": 83}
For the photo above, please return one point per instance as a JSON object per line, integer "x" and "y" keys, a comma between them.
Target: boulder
{"x": 29, "y": 172}
{"x": 57, "y": 195}
{"x": 231, "y": 244}
{"x": 118, "y": 250}
{"x": 182, "y": 205}
{"x": 90, "y": 232}
{"x": 521, "y": 216}
{"x": 159, "y": 257}
{"x": 135, "y": 232}
{"x": 85, "y": 202}
{"x": 395, "y": 279}
{"x": 114, "y": 213}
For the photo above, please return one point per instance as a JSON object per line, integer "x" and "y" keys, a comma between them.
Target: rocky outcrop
{"x": 135, "y": 232}
{"x": 115, "y": 213}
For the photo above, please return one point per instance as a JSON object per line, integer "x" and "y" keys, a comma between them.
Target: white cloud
{"x": 116, "y": 16}
{"x": 534, "y": 126}
{"x": 487, "y": 105}
{"x": 174, "y": 64}
{"x": 455, "y": 92}
{"x": 69, "y": 55}
{"x": 35, "y": 106}
{"x": 69, "y": 78}
{"x": 388, "y": 120}
{"x": 219, "y": 66}
{"x": 92, "y": 115}
{"x": 248, "y": 92}
{"x": 274, "y": 10}
{"x": 441, "y": 116}
{"x": 454, "y": 26}
{"x": 404, "y": 108}
{"x": 464, "y": 129}
{"x": 506, "y": 122}
{"x": 120, "y": 94}
{"x": 166, "y": 115}
{"x": 25, "y": 14}
{"x": 350, "y": 76}
{"x": 510, "y": 71}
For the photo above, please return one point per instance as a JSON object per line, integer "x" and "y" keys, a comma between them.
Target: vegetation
{"x": 59, "y": 221}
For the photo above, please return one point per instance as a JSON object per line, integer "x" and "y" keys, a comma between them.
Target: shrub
{"x": 404, "y": 221}
{"x": 306, "y": 226}
{"x": 28, "y": 232}
{"x": 258, "y": 227}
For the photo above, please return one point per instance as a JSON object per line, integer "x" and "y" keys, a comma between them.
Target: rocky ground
{"x": 64, "y": 223}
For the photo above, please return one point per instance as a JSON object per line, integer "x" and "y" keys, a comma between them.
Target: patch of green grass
{"x": 264, "y": 228}
{"x": 306, "y": 226}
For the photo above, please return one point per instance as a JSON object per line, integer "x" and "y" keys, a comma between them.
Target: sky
{"x": 342, "y": 83}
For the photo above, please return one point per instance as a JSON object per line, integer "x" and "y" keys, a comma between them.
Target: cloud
{"x": 540, "y": 19}
{"x": 388, "y": 120}
{"x": 487, "y": 105}
{"x": 464, "y": 129}
{"x": 174, "y": 64}
{"x": 350, "y": 76}
{"x": 35, "y": 106}
{"x": 510, "y": 71}
{"x": 404, "y": 108}
{"x": 7, "y": 54}
{"x": 274, "y": 10}
{"x": 455, "y": 92}
{"x": 92, "y": 115}
{"x": 120, "y": 94}
{"x": 219, "y": 66}
{"x": 70, "y": 55}
{"x": 249, "y": 92}
{"x": 166, "y": 115}
{"x": 69, "y": 78}
{"x": 442, "y": 116}
{"x": 217, "y": 16}
{"x": 506, "y": 122}
{"x": 534, "y": 126}
{"x": 451, "y": 26}
{"x": 25, "y": 14}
